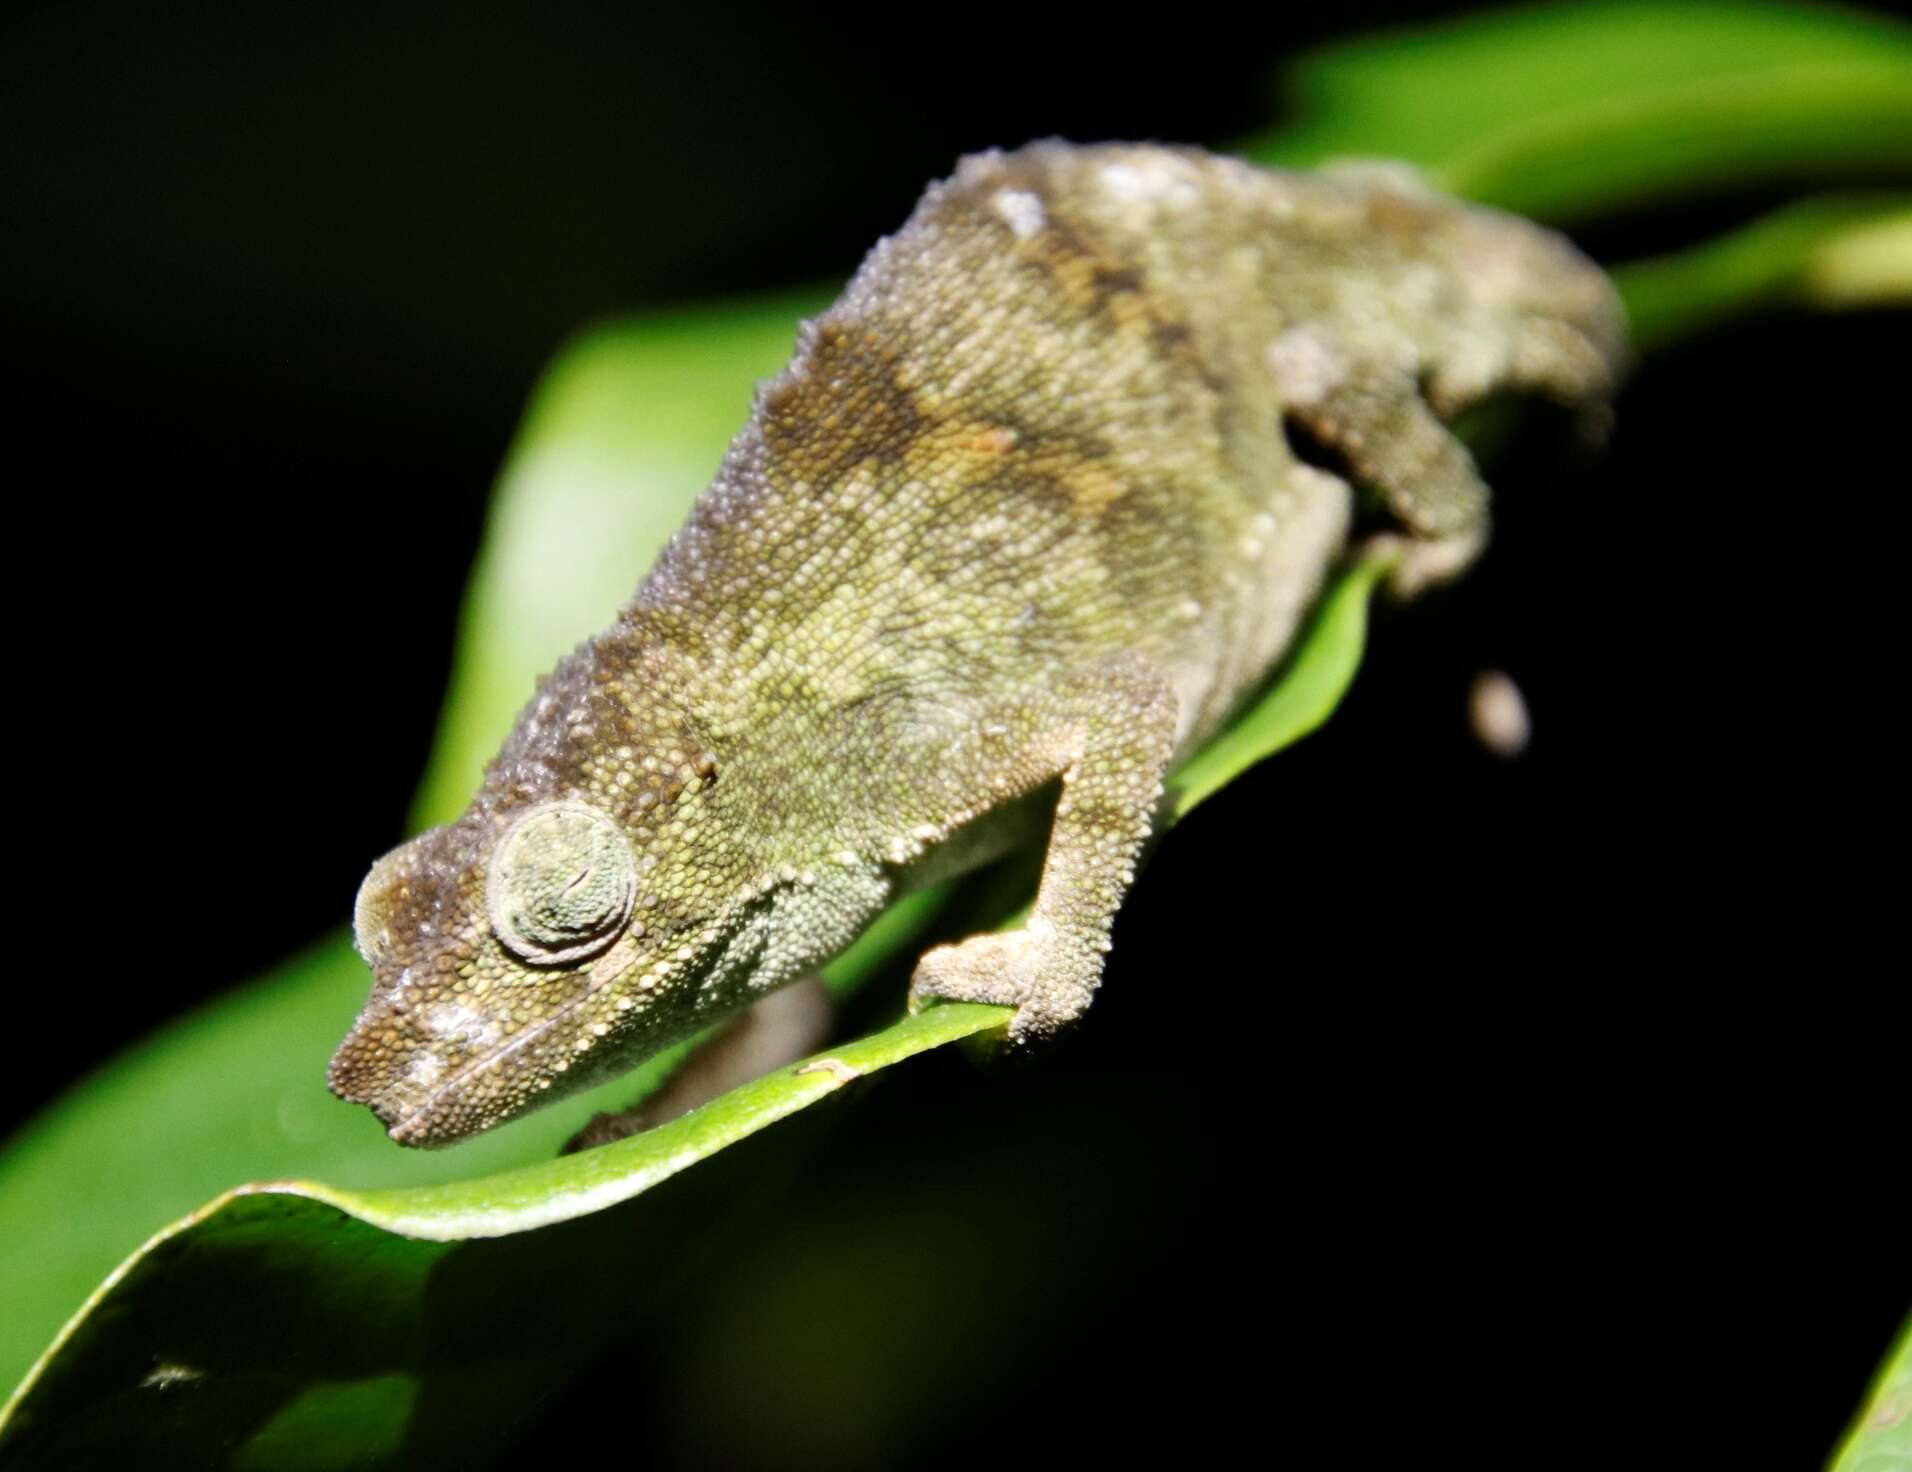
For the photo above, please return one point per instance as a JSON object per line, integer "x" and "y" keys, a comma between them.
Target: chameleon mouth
{"x": 420, "y": 1122}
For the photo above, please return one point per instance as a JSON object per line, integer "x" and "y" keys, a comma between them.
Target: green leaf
{"x": 1310, "y": 688}
{"x": 1568, "y": 111}
{"x": 1881, "y": 1437}
{"x": 274, "y": 1330}
{"x": 1830, "y": 254}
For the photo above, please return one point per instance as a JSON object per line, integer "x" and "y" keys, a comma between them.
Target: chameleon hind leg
{"x": 1108, "y": 736}
{"x": 1383, "y": 401}
{"x": 1377, "y": 420}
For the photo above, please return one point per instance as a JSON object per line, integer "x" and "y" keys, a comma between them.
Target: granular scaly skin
{"x": 1021, "y": 515}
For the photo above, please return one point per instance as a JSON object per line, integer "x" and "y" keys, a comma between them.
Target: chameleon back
{"x": 1046, "y": 422}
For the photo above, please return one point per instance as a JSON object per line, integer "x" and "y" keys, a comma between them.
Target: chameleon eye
{"x": 561, "y": 884}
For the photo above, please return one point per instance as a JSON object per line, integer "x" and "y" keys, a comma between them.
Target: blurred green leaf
{"x": 1825, "y": 253}
{"x": 1881, "y": 1436}
{"x": 1566, "y": 111}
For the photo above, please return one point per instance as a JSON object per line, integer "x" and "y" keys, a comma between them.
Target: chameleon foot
{"x": 1421, "y": 563}
{"x": 1024, "y": 969}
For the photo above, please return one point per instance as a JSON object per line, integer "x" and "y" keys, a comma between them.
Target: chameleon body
{"x": 1020, "y": 524}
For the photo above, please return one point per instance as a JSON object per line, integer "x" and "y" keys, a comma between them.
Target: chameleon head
{"x": 557, "y": 932}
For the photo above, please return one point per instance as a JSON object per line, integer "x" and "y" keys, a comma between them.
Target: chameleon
{"x": 1035, "y": 505}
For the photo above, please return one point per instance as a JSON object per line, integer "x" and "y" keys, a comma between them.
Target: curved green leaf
{"x": 1307, "y": 693}
{"x": 1824, "y": 253}
{"x": 1567, "y": 111}
{"x": 1881, "y": 1437}
{"x": 275, "y": 1330}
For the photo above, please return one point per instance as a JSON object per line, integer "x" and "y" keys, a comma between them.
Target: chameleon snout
{"x": 494, "y": 943}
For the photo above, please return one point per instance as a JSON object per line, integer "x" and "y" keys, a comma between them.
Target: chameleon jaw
{"x": 423, "y": 1121}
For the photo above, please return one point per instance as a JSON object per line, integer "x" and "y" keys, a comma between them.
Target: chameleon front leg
{"x": 1108, "y": 736}
{"x": 777, "y": 1029}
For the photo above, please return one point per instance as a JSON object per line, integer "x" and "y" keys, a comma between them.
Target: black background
{"x": 1548, "y": 1105}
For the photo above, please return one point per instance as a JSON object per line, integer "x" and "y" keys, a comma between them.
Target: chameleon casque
{"x": 1020, "y": 524}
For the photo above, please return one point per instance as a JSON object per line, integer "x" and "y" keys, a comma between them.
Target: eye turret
{"x": 561, "y": 884}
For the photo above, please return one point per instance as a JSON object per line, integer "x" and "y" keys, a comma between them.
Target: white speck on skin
{"x": 1154, "y": 179}
{"x": 457, "y": 1022}
{"x": 423, "y": 1071}
{"x": 1021, "y": 210}
{"x": 1306, "y": 365}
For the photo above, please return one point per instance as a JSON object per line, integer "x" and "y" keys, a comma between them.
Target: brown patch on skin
{"x": 1091, "y": 280}
{"x": 1130, "y": 310}
{"x": 966, "y": 452}
{"x": 1174, "y": 341}
{"x": 1093, "y": 283}
{"x": 1403, "y": 218}
{"x": 825, "y": 429}
{"x": 1079, "y": 476}
{"x": 1079, "y": 471}
{"x": 780, "y": 398}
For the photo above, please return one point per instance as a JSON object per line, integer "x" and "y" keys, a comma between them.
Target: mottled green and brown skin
{"x": 1021, "y": 516}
